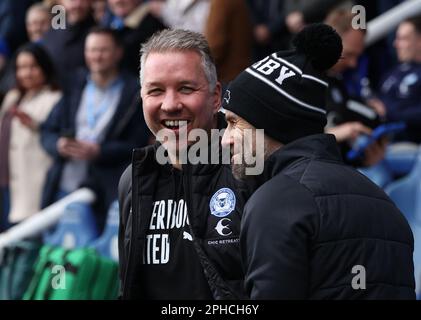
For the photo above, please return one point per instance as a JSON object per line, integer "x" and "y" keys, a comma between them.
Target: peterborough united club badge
{"x": 222, "y": 202}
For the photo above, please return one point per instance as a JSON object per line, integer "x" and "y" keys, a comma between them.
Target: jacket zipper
{"x": 132, "y": 239}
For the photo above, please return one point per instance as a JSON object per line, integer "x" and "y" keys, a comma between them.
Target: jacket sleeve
{"x": 279, "y": 222}
{"x": 135, "y": 134}
{"x": 51, "y": 128}
{"x": 409, "y": 114}
{"x": 124, "y": 201}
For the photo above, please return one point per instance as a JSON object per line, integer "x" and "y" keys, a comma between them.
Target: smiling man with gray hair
{"x": 179, "y": 222}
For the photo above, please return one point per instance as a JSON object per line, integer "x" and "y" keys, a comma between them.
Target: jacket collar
{"x": 318, "y": 146}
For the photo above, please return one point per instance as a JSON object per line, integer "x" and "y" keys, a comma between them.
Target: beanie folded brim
{"x": 280, "y": 119}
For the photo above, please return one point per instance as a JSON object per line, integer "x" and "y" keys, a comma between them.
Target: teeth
{"x": 175, "y": 123}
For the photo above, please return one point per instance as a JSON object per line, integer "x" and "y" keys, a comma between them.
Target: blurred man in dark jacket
{"x": 66, "y": 46}
{"x": 132, "y": 20}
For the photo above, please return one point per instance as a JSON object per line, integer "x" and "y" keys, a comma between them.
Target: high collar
{"x": 318, "y": 146}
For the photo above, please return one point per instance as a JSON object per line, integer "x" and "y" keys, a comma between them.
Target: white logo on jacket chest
{"x": 223, "y": 229}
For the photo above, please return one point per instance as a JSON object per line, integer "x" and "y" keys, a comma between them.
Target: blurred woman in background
{"x": 23, "y": 162}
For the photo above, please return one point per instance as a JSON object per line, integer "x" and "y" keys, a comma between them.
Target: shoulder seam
{"x": 298, "y": 182}
{"x": 310, "y": 192}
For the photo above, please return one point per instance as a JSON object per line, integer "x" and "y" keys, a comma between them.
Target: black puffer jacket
{"x": 312, "y": 220}
{"x": 219, "y": 254}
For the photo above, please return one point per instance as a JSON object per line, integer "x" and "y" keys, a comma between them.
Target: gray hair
{"x": 180, "y": 40}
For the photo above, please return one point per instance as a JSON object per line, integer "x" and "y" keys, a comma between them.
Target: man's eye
{"x": 185, "y": 89}
{"x": 154, "y": 92}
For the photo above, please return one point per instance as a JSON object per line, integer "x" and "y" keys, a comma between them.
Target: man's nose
{"x": 171, "y": 103}
{"x": 226, "y": 139}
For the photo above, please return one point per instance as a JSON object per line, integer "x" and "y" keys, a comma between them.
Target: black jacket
{"x": 125, "y": 131}
{"x": 219, "y": 255}
{"x": 66, "y": 48}
{"x": 313, "y": 220}
{"x": 142, "y": 28}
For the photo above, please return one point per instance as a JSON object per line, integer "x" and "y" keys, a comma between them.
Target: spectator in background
{"x": 38, "y": 21}
{"x": 12, "y": 22}
{"x": 346, "y": 121}
{"x": 228, "y": 31}
{"x": 65, "y": 46}
{"x": 99, "y": 8}
{"x": 269, "y": 29}
{"x": 300, "y": 12}
{"x": 93, "y": 129}
{"x": 399, "y": 98}
{"x": 182, "y": 14}
{"x": 23, "y": 162}
{"x": 134, "y": 23}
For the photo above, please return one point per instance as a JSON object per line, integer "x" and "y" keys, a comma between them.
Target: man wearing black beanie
{"x": 314, "y": 228}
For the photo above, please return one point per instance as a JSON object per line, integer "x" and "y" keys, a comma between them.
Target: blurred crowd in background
{"x": 71, "y": 113}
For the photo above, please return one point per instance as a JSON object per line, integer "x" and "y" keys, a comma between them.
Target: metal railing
{"x": 44, "y": 219}
{"x": 381, "y": 26}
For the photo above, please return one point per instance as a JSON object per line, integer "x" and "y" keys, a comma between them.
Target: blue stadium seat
{"x": 406, "y": 193}
{"x": 379, "y": 174}
{"x": 107, "y": 244}
{"x": 76, "y": 228}
{"x": 400, "y": 158}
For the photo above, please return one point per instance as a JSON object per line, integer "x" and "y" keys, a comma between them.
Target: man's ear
{"x": 217, "y": 97}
